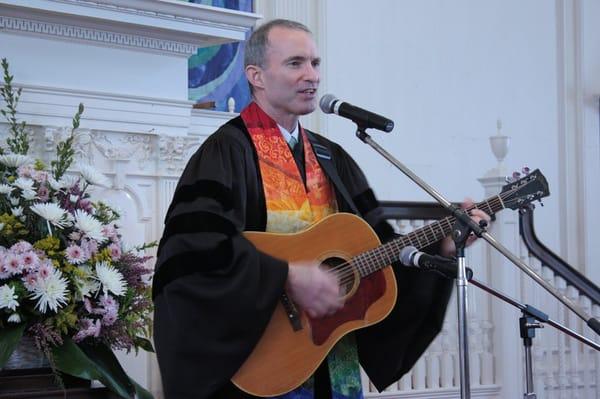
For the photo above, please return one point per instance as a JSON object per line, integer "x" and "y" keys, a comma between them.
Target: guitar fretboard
{"x": 371, "y": 261}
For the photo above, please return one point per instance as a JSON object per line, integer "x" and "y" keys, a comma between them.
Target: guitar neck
{"x": 388, "y": 253}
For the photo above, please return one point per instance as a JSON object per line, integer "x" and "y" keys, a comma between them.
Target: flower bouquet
{"x": 66, "y": 279}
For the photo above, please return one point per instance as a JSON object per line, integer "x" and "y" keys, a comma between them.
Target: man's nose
{"x": 311, "y": 73}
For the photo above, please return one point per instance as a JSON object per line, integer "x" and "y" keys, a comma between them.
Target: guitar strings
{"x": 364, "y": 262}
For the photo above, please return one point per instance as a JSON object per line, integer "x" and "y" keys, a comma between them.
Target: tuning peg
{"x": 541, "y": 203}
{"x": 516, "y": 175}
{"x": 509, "y": 179}
{"x": 525, "y": 170}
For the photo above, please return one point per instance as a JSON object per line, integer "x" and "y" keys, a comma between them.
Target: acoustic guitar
{"x": 294, "y": 344}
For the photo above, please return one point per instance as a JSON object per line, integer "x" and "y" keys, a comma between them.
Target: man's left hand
{"x": 448, "y": 248}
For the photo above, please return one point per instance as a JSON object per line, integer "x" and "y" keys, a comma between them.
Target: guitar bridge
{"x": 291, "y": 312}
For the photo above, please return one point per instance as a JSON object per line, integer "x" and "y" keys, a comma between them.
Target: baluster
{"x": 550, "y": 307}
{"x": 475, "y": 349}
{"x": 573, "y": 345}
{"x": 587, "y": 363}
{"x": 596, "y": 314}
{"x": 447, "y": 367}
{"x": 419, "y": 374}
{"x": 405, "y": 383}
{"x": 403, "y": 226}
{"x": 487, "y": 357}
{"x": 432, "y": 361}
{"x": 563, "y": 380}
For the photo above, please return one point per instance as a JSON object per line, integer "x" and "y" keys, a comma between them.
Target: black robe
{"x": 214, "y": 292}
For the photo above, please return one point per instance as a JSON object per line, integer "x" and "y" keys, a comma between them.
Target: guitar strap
{"x": 325, "y": 160}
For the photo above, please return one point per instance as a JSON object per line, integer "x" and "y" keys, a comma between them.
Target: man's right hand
{"x": 314, "y": 289}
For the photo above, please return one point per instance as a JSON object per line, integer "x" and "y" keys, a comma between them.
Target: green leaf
{"x": 109, "y": 366}
{"x": 9, "y": 339}
{"x": 144, "y": 344}
{"x": 93, "y": 363}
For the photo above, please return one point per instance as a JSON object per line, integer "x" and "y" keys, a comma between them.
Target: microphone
{"x": 363, "y": 118}
{"x": 411, "y": 256}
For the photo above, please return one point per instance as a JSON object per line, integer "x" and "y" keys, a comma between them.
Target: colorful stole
{"x": 291, "y": 207}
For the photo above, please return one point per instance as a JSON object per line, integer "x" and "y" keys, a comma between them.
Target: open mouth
{"x": 308, "y": 91}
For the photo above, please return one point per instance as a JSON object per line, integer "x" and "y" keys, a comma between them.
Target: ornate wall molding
{"x": 98, "y": 36}
{"x": 175, "y": 28}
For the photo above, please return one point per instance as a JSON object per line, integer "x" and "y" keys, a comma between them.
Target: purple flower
{"x": 87, "y": 328}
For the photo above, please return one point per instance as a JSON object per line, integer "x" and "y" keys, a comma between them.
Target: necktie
{"x": 292, "y": 142}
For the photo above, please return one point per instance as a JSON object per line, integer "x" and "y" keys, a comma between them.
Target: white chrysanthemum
{"x": 17, "y": 211}
{"x": 92, "y": 176}
{"x": 68, "y": 181}
{"x": 51, "y": 292}
{"x": 6, "y": 189}
{"x": 8, "y": 298}
{"x": 110, "y": 278}
{"x": 89, "y": 225}
{"x": 54, "y": 184}
{"x": 14, "y": 160}
{"x": 52, "y": 212}
{"x": 28, "y": 195}
{"x": 24, "y": 183}
{"x": 14, "y": 318}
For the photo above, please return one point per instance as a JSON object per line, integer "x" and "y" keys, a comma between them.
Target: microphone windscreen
{"x": 406, "y": 255}
{"x": 326, "y": 103}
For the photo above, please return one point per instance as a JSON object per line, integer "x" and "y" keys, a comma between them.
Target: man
{"x": 215, "y": 292}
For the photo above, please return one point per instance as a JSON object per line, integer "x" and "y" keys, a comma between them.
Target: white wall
{"x": 444, "y": 72}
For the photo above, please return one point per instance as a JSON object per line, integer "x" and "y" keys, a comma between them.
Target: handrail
{"x": 553, "y": 261}
{"x": 431, "y": 211}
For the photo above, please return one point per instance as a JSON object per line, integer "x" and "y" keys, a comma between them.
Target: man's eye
{"x": 294, "y": 63}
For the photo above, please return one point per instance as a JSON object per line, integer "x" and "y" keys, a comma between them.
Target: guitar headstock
{"x": 521, "y": 191}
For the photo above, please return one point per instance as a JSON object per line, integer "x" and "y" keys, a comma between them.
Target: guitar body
{"x": 286, "y": 357}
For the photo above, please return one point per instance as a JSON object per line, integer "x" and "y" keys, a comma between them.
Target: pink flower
{"x": 21, "y": 246}
{"x": 115, "y": 251}
{"x": 13, "y": 264}
{"x": 87, "y": 304}
{"x": 89, "y": 247}
{"x": 87, "y": 328}
{"x": 85, "y": 204}
{"x": 30, "y": 281}
{"x": 25, "y": 171}
{"x": 75, "y": 254}
{"x": 43, "y": 193}
{"x": 45, "y": 269}
{"x": 30, "y": 260}
{"x": 40, "y": 176}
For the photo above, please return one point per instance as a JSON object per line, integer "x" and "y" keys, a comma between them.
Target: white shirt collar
{"x": 286, "y": 134}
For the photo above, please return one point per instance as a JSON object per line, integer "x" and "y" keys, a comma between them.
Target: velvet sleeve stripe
{"x": 191, "y": 262}
{"x": 203, "y": 188}
{"x": 198, "y": 222}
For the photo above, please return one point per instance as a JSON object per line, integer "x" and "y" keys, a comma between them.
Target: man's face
{"x": 290, "y": 76}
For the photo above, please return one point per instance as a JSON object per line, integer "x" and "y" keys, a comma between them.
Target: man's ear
{"x": 254, "y": 74}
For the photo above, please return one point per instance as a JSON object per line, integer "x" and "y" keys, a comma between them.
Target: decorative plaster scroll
{"x": 96, "y": 35}
{"x": 81, "y": 145}
{"x": 127, "y": 147}
{"x": 174, "y": 151}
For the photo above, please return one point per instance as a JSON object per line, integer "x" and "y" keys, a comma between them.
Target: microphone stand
{"x": 463, "y": 227}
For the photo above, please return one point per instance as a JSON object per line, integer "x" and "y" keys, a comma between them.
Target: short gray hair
{"x": 256, "y": 46}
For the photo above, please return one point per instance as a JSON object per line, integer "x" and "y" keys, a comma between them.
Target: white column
{"x": 505, "y": 277}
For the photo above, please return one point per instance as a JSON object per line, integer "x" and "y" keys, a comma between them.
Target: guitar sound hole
{"x": 344, "y": 272}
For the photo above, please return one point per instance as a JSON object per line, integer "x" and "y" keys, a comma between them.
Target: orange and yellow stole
{"x": 291, "y": 206}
